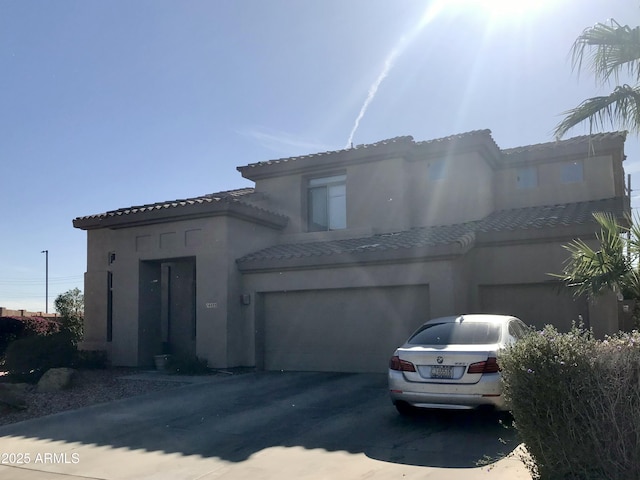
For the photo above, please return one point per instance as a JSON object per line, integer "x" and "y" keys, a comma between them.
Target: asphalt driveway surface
{"x": 260, "y": 425}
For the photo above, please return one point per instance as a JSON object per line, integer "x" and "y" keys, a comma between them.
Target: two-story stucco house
{"x": 334, "y": 258}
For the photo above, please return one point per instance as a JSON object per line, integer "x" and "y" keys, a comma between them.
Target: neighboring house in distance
{"x": 334, "y": 258}
{"x": 6, "y": 312}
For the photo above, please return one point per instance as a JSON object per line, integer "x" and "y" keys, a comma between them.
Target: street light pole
{"x": 46, "y": 294}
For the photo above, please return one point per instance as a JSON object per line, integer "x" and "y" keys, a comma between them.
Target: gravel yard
{"x": 90, "y": 387}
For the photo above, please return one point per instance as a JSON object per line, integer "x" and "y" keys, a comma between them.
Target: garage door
{"x": 338, "y": 330}
{"x": 537, "y": 305}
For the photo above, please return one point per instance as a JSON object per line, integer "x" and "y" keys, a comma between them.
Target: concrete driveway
{"x": 260, "y": 425}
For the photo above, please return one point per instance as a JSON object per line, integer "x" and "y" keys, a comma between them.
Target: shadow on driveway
{"x": 232, "y": 418}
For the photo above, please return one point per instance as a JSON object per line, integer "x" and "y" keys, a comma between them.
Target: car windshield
{"x": 457, "y": 333}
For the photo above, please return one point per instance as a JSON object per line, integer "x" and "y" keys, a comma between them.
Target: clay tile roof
{"x": 229, "y": 195}
{"x": 548, "y": 216}
{"x": 504, "y": 220}
{"x": 486, "y": 133}
{"x": 395, "y": 140}
{"x": 580, "y": 140}
{"x": 400, "y": 240}
{"x": 406, "y": 139}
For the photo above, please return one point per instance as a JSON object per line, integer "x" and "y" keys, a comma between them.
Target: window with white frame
{"x": 572, "y": 172}
{"x": 327, "y": 203}
{"x": 527, "y": 177}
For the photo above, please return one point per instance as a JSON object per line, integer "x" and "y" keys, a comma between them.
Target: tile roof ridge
{"x": 566, "y": 141}
{"x": 470, "y": 133}
{"x": 399, "y": 139}
{"x": 233, "y": 192}
{"x": 554, "y": 205}
{"x": 226, "y": 195}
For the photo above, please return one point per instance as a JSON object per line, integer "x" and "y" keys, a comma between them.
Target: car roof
{"x": 473, "y": 317}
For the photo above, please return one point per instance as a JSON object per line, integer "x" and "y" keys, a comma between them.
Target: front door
{"x": 178, "y": 317}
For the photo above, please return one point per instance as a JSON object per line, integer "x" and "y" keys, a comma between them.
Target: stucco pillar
{"x": 95, "y": 307}
{"x": 442, "y": 293}
{"x": 211, "y": 309}
{"x": 603, "y": 314}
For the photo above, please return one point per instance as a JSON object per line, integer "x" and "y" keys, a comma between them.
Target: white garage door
{"x": 338, "y": 330}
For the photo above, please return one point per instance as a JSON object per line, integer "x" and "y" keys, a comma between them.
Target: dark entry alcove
{"x": 167, "y": 313}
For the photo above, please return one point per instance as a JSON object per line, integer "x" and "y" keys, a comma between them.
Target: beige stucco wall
{"x": 242, "y": 238}
{"x": 520, "y": 263}
{"x": 396, "y": 193}
{"x": 598, "y": 183}
{"x": 284, "y": 195}
{"x": 99, "y": 244}
{"x": 393, "y": 194}
{"x": 605, "y": 310}
{"x": 209, "y": 241}
{"x": 516, "y": 266}
{"x": 376, "y": 195}
{"x": 463, "y": 194}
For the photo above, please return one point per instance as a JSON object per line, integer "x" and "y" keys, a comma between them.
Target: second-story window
{"x": 436, "y": 170}
{"x": 572, "y": 172}
{"x": 527, "y": 177}
{"x": 327, "y": 203}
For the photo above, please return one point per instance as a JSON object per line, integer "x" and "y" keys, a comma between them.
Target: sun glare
{"x": 497, "y": 11}
{"x": 500, "y": 8}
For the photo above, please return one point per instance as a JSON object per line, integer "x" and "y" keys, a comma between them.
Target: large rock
{"x": 13, "y": 395}
{"x": 56, "y": 379}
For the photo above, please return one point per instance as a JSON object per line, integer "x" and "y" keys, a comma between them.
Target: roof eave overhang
{"x": 323, "y": 162}
{"x": 482, "y": 145}
{"x": 157, "y": 215}
{"x": 567, "y": 149}
{"x": 357, "y": 258}
{"x": 558, "y": 234}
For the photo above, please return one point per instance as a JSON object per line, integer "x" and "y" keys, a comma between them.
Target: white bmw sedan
{"x": 451, "y": 362}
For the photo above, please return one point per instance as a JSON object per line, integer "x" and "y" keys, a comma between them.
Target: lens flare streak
{"x": 430, "y": 14}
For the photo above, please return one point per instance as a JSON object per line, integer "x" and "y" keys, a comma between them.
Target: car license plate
{"x": 441, "y": 371}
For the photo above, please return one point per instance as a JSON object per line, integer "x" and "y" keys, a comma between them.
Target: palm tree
{"x": 613, "y": 266}
{"x": 607, "y": 50}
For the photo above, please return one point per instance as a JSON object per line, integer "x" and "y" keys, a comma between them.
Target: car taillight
{"x": 402, "y": 365}
{"x": 490, "y": 365}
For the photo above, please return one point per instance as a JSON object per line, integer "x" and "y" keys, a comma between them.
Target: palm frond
{"x": 589, "y": 271}
{"x": 608, "y": 49}
{"x": 621, "y": 109}
{"x": 633, "y": 247}
{"x": 632, "y": 284}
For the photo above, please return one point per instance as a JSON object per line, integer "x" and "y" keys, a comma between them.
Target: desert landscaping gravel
{"x": 89, "y": 387}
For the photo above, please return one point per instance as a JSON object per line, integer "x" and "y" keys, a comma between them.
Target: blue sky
{"x": 108, "y": 104}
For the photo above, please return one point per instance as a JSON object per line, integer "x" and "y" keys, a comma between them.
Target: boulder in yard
{"x": 13, "y": 395}
{"x": 56, "y": 379}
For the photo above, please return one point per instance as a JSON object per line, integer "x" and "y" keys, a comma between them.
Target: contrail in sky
{"x": 388, "y": 64}
{"x": 429, "y": 15}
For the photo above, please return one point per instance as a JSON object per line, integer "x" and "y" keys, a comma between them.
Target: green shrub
{"x": 70, "y": 306}
{"x": 28, "y": 358}
{"x": 575, "y": 403}
{"x": 12, "y": 328}
{"x": 187, "y": 365}
{"x": 92, "y": 359}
